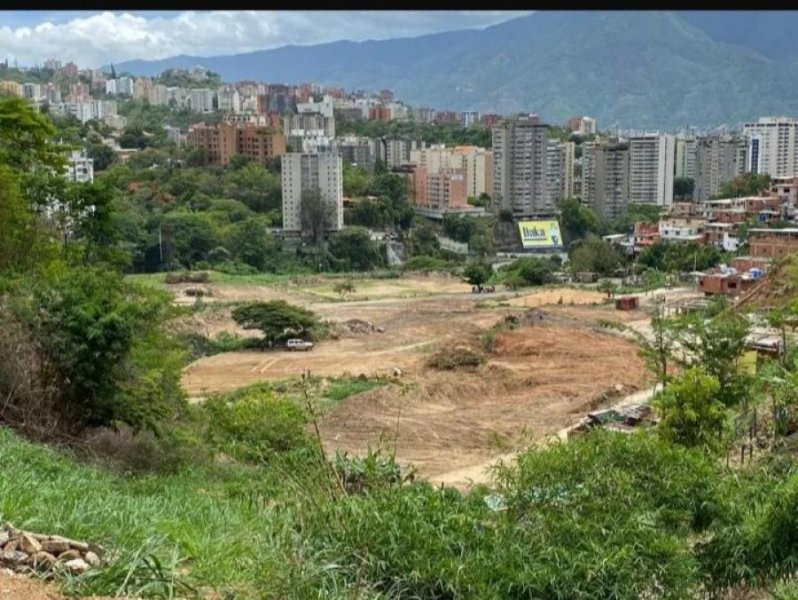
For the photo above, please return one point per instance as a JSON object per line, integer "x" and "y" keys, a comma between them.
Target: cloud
{"x": 101, "y": 38}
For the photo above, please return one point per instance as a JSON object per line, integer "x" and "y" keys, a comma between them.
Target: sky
{"x": 94, "y": 38}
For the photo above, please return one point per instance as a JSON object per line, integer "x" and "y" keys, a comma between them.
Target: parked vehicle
{"x": 298, "y": 344}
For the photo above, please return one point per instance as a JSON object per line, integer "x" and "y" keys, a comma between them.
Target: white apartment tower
{"x": 771, "y": 146}
{"x": 229, "y": 99}
{"x": 301, "y": 172}
{"x": 520, "y": 167}
{"x": 651, "y": 169}
{"x": 201, "y": 100}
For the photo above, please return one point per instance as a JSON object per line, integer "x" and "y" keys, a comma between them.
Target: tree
{"x": 683, "y": 188}
{"x": 576, "y": 220}
{"x": 101, "y": 347}
{"x": 747, "y": 184}
{"x": 477, "y": 273}
{"x": 528, "y": 270}
{"x": 592, "y": 254}
{"x": 253, "y": 185}
{"x": 26, "y": 137}
{"x": 716, "y": 344}
{"x": 276, "y": 319}
{"x": 102, "y": 155}
{"x": 316, "y": 215}
{"x": 238, "y": 162}
{"x": 691, "y": 413}
{"x": 354, "y": 250}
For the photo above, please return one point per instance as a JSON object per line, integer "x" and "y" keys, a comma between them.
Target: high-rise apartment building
{"x": 395, "y": 152}
{"x": 229, "y": 99}
{"x": 520, "y": 167}
{"x": 560, "y": 169}
{"x": 476, "y": 163}
{"x": 222, "y": 141}
{"x": 309, "y": 131}
{"x": 322, "y": 173}
{"x": 201, "y": 100}
{"x": 159, "y": 95}
{"x": 357, "y": 151}
{"x": 141, "y": 88}
{"x": 605, "y": 177}
{"x": 122, "y": 86}
{"x": 651, "y": 169}
{"x": 684, "y": 160}
{"x": 771, "y": 146}
{"x": 718, "y": 161}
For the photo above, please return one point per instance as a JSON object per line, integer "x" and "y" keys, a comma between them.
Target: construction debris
{"x": 24, "y": 551}
{"x": 623, "y": 420}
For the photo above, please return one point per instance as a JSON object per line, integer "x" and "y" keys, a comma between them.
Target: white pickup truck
{"x": 298, "y": 344}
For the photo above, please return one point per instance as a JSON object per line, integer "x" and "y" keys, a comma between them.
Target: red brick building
{"x": 773, "y": 243}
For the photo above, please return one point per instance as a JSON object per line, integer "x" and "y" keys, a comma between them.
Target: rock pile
{"x": 25, "y": 551}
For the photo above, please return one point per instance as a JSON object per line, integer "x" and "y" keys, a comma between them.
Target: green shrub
{"x": 102, "y": 354}
{"x": 255, "y": 426}
{"x": 236, "y": 268}
{"x": 187, "y": 277}
{"x": 375, "y": 470}
{"x": 425, "y": 263}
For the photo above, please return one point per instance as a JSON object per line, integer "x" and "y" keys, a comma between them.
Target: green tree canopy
{"x": 277, "y": 319}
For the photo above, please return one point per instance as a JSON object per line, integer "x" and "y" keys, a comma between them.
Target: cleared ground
{"x": 539, "y": 378}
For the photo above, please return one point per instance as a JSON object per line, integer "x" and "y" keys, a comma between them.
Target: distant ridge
{"x": 643, "y": 69}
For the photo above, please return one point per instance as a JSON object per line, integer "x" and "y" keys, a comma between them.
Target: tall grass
{"x": 223, "y": 528}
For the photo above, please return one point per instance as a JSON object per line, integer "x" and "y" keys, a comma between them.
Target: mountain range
{"x": 642, "y": 69}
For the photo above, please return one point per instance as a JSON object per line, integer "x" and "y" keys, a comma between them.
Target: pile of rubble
{"x": 25, "y": 551}
{"x": 358, "y": 326}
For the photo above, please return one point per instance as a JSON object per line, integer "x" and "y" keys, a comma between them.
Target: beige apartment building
{"x": 442, "y": 190}
{"x": 222, "y": 141}
{"x": 475, "y": 162}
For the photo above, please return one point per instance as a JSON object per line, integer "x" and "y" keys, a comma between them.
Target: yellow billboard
{"x": 540, "y": 234}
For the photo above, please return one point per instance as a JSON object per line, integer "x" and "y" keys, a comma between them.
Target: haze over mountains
{"x": 643, "y": 69}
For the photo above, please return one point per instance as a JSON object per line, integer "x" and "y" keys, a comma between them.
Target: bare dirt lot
{"x": 538, "y": 379}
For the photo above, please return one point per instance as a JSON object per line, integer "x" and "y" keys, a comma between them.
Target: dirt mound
{"x": 357, "y": 327}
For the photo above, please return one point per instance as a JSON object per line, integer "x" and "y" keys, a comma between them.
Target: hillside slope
{"x": 647, "y": 69}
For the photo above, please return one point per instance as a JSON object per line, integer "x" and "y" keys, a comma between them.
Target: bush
{"x": 187, "y": 277}
{"x": 454, "y": 358}
{"x": 125, "y": 450}
{"x": 605, "y": 516}
{"x": 527, "y": 270}
{"x": 100, "y": 349}
{"x": 253, "y": 426}
{"x": 236, "y": 268}
{"x": 374, "y": 471}
{"x": 425, "y": 263}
